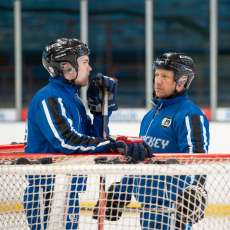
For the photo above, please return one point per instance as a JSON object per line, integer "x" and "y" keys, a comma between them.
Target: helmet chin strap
{"x": 73, "y": 80}
{"x": 175, "y": 93}
{"x": 76, "y": 70}
{"x": 175, "y": 90}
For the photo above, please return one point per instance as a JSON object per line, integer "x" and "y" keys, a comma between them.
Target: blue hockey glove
{"x": 95, "y": 93}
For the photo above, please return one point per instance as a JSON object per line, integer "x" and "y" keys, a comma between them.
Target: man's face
{"x": 164, "y": 83}
{"x": 84, "y": 70}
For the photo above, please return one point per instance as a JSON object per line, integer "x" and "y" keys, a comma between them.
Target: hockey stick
{"x": 102, "y": 193}
{"x": 56, "y": 217}
{"x": 105, "y": 112}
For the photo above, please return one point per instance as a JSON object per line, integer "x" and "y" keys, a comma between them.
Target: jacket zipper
{"x": 155, "y": 114}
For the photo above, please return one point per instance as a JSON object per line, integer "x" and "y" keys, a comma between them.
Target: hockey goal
{"x": 55, "y": 191}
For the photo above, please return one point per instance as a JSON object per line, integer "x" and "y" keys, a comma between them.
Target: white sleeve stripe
{"x": 204, "y": 134}
{"x": 63, "y": 144}
{"x": 189, "y": 140}
{"x": 63, "y": 111}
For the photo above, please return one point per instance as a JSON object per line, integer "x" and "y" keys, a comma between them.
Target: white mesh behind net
{"x": 72, "y": 192}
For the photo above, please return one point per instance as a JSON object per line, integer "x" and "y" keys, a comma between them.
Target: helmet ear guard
{"x": 69, "y": 72}
{"x": 63, "y": 50}
{"x": 180, "y": 64}
{"x": 185, "y": 81}
{"x": 66, "y": 67}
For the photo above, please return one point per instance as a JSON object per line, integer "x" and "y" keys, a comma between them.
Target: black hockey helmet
{"x": 63, "y": 50}
{"x": 182, "y": 65}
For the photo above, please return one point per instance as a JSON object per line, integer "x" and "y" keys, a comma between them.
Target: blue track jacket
{"x": 57, "y": 122}
{"x": 175, "y": 125}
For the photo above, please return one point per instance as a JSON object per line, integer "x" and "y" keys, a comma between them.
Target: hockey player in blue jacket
{"x": 57, "y": 122}
{"x": 174, "y": 125}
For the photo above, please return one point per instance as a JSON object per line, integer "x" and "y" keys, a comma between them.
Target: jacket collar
{"x": 163, "y": 102}
{"x": 62, "y": 82}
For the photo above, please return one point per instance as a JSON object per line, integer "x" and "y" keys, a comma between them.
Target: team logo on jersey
{"x": 166, "y": 122}
{"x": 73, "y": 218}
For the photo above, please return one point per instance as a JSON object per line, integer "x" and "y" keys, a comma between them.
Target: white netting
{"x": 161, "y": 194}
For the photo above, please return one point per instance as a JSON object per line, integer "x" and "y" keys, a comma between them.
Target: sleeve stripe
{"x": 204, "y": 134}
{"x": 63, "y": 126}
{"x": 61, "y": 140}
{"x": 189, "y": 134}
{"x": 196, "y": 134}
{"x": 198, "y": 139}
{"x": 63, "y": 111}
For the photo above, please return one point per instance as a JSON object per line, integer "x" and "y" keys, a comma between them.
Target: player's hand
{"x": 95, "y": 93}
{"x": 135, "y": 151}
{"x": 138, "y": 152}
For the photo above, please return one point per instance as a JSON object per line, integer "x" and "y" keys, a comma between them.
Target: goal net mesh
{"x": 169, "y": 192}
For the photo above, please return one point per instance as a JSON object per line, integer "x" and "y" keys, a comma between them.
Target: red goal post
{"x": 63, "y": 168}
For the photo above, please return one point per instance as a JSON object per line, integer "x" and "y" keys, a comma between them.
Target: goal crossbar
{"x": 63, "y": 190}
{"x": 118, "y": 169}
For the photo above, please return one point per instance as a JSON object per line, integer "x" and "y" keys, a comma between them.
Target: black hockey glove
{"x": 138, "y": 152}
{"x": 115, "y": 203}
{"x": 95, "y": 93}
{"x": 191, "y": 204}
{"x": 134, "y": 148}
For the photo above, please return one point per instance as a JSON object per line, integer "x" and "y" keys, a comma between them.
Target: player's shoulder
{"x": 47, "y": 91}
{"x": 43, "y": 94}
{"x": 148, "y": 114}
{"x": 193, "y": 106}
{"x": 189, "y": 108}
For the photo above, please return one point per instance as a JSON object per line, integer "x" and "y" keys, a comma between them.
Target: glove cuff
{"x": 129, "y": 140}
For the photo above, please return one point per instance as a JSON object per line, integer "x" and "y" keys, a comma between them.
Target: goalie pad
{"x": 191, "y": 205}
{"x": 116, "y": 200}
